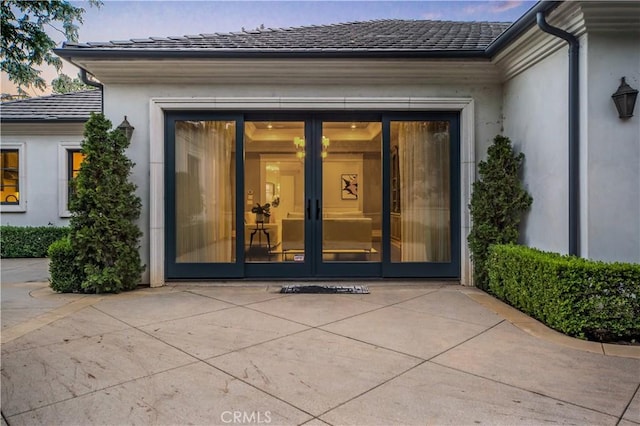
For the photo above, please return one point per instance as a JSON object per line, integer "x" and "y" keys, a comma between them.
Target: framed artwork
{"x": 349, "y": 186}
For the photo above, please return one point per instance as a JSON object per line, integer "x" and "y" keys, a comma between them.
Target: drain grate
{"x": 326, "y": 289}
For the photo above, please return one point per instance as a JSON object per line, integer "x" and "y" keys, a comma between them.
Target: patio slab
{"x": 435, "y": 395}
{"x": 45, "y": 375}
{"x": 633, "y": 410}
{"x": 240, "y": 296}
{"x": 153, "y": 308}
{"x": 191, "y": 353}
{"x": 82, "y": 324}
{"x": 314, "y": 309}
{"x": 192, "y": 394}
{"x": 451, "y": 304}
{"x": 220, "y": 332}
{"x": 315, "y": 370}
{"x": 410, "y": 332}
{"x": 511, "y": 356}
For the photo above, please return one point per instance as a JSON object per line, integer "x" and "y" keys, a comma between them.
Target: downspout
{"x": 574, "y": 131}
{"x": 86, "y": 80}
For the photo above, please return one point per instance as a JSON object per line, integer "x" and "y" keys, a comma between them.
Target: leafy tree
{"x": 497, "y": 204}
{"x": 25, "y": 43}
{"x": 66, "y": 84}
{"x": 104, "y": 236}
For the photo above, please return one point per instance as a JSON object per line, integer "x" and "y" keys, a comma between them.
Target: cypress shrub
{"x": 104, "y": 237}
{"x": 497, "y": 204}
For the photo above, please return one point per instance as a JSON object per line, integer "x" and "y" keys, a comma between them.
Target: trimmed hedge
{"x": 29, "y": 241}
{"x": 579, "y": 297}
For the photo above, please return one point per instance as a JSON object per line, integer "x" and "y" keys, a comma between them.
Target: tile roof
{"x": 75, "y": 106}
{"x": 380, "y": 35}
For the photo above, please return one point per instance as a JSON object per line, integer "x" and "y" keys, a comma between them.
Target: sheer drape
{"x": 205, "y": 191}
{"x": 424, "y": 183}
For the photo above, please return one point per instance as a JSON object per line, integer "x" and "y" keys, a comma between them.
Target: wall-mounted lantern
{"x": 126, "y": 128}
{"x": 625, "y": 99}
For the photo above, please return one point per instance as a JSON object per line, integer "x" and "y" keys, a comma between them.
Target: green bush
{"x": 579, "y": 297}
{"x": 65, "y": 275}
{"x": 28, "y": 241}
{"x": 497, "y": 204}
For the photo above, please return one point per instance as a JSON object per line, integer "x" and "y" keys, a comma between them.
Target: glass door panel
{"x": 205, "y": 191}
{"x": 351, "y": 155}
{"x": 420, "y": 164}
{"x": 274, "y": 191}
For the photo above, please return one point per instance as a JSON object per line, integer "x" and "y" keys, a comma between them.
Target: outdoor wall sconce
{"x": 126, "y": 128}
{"x": 625, "y": 99}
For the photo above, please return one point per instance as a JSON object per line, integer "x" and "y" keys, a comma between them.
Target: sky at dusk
{"x": 122, "y": 20}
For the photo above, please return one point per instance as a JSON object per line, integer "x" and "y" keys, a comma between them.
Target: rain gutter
{"x": 574, "y": 130}
{"x": 86, "y": 80}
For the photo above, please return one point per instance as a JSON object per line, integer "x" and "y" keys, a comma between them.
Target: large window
{"x": 10, "y": 170}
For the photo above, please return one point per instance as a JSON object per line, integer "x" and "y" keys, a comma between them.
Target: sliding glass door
{"x": 311, "y": 195}
{"x": 423, "y": 196}
{"x": 200, "y": 197}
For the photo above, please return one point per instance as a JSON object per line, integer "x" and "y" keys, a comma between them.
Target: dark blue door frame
{"x": 313, "y": 266}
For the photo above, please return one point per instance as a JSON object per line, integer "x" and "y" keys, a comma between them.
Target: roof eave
{"x": 43, "y": 120}
{"x": 94, "y": 53}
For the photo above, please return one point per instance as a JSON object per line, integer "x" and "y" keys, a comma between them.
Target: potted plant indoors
{"x": 262, "y": 212}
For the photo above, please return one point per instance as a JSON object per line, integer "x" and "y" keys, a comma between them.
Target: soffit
{"x": 612, "y": 16}
{"x": 577, "y": 18}
{"x": 535, "y": 45}
{"x": 291, "y": 71}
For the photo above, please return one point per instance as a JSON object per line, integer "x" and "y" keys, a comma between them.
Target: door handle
{"x": 317, "y": 209}
{"x": 309, "y": 208}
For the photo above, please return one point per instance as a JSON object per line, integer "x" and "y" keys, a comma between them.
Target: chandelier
{"x": 299, "y": 143}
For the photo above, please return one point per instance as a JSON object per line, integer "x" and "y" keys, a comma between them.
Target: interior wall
{"x": 372, "y": 200}
{"x": 333, "y": 169}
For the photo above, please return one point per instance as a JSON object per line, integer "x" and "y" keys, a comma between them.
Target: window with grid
{"x": 10, "y": 176}
{"x": 74, "y": 159}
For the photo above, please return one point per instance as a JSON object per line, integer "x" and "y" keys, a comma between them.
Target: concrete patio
{"x": 424, "y": 353}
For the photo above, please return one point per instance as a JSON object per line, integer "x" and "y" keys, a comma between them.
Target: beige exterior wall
{"x": 137, "y": 103}
{"x": 43, "y": 183}
{"x": 535, "y": 108}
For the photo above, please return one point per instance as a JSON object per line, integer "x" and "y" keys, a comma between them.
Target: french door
{"x": 311, "y": 196}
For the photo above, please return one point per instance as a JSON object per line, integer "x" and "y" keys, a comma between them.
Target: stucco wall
{"x": 612, "y": 155}
{"x": 42, "y": 177}
{"x": 133, "y": 101}
{"x": 535, "y": 119}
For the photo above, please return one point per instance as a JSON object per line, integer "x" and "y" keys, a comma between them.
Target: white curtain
{"x": 424, "y": 182}
{"x": 205, "y": 188}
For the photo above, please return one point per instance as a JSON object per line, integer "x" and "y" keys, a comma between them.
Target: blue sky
{"x": 123, "y": 19}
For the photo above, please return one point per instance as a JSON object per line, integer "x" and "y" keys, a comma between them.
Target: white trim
{"x": 21, "y": 207}
{"x": 63, "y": 178}
{"x": 157, "y": 106}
